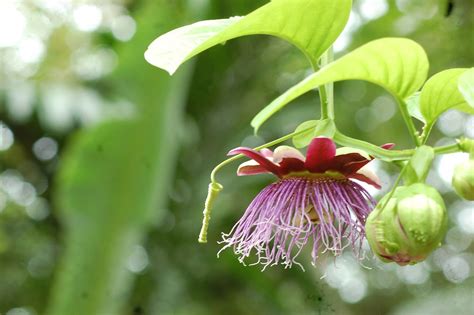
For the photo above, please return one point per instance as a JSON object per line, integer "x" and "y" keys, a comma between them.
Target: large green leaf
{"x": 399, "y": 65}
{"x": 441, "y": 93}
{"x": 310, "y": 25}
{"x": 466, "y": 86}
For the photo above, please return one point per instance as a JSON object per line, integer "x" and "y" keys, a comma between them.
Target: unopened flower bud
{"x": 406, "y": 228}
{"x": 463, "y": 180}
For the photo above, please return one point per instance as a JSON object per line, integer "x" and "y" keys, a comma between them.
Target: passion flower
{"x": 463, "y": 180}
{"x": 314, "y": 200}
{"x": 407, "y": 226}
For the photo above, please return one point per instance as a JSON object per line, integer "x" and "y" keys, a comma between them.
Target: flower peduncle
{"x": 393, "y": 155}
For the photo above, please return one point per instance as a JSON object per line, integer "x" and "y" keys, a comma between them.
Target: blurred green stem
{"x": 114, "y": 178}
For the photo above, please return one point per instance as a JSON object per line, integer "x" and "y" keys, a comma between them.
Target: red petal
{"x": 365, "y": 179}
{"x": 288, "y": 165}
{"x": 353, "y": 167}
{"x": 259, "y": 158}
{"x": 387, "y": 146}
{"x": 321, "y": 152}
{"x": 340, "y": 161}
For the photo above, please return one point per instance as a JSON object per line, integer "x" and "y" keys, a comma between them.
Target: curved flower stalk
{"x": 314, "y": 200}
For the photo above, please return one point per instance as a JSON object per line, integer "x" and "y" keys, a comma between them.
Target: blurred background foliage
{"x": 104, "y": 162}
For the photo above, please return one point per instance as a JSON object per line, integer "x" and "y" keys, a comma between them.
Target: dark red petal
{"x": 353, "y": 167}
{"x": 365, "y": 179}
{"x": 341, "y": 160}
{"x": 321, "y": 152}
{"x": 288, "y": 165}
{"x": 259, "y": 158}
{"x": 387, "y": 146}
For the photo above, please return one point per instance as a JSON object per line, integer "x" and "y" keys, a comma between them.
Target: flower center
{"x": 312, "y": 216}
{"x": 309, "y": 213}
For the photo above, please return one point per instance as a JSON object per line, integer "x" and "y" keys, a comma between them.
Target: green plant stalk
{"x": 395, "y": 185}
{"x": 426, "y": 133}
{"x": 108, "y": 200}
{"x": 409, "y": 122}
{"x": 388, "y": 155}
{"x": 326, "y": 92}
{"x": 324, "y": 104}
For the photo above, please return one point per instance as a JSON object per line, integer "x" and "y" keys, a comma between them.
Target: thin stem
{"x": 326, "y": 92}
{"x": 388, "y": 155}
{"x": 453, "y": 148}
{"x": 409, "y": 122}
{"x": 266, "y": 145}
{"x": 426, "y": 132}
{"x": 324, "y": 103}
{"x": 395, "y": 185}
{"x": 330, "y": 86}
{"x": 378, "y": 152}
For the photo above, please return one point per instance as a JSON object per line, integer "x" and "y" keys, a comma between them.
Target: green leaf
{"x": 323, "y": 127}
{"x": 419, "y": 165}
{"x": 413, "y": 106}
{"x": 397, "y": 64}
{"x": 466, "y": 86}
{"x": 310, "y": 25}
{"x": 441, "y": 93}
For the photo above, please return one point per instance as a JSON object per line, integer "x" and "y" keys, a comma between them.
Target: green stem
{"x": 426, "y": 133}
{"x": 326, "y": 92}
{"x": 395, "y": 185}
{"x": 409, "y": 122}
{"x": 388, "y": 155}
{"x": 324, "y": 104}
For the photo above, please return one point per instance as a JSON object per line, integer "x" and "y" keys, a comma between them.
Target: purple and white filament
{"x": 284, "y": 216}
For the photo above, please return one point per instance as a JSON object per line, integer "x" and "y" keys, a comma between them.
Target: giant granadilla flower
{"x": 314, "y": 200}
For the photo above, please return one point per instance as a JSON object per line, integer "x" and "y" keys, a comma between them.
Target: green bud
{"x": 406, "y": 228}
{"x": 463, "y": 180}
